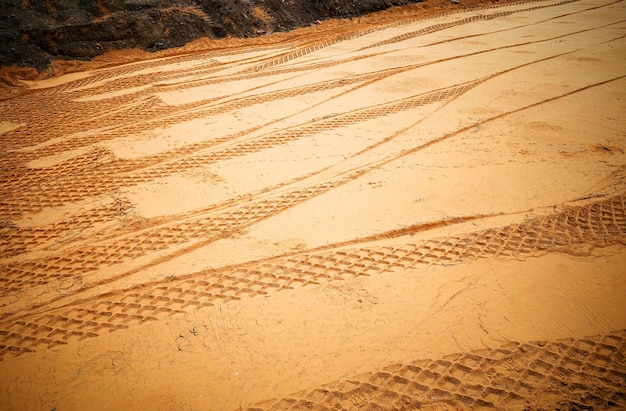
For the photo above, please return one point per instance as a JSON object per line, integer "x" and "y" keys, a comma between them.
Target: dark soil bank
{"x": 35, "y": 32}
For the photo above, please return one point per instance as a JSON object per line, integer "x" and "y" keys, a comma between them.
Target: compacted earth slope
{"x": 394, "y": 212}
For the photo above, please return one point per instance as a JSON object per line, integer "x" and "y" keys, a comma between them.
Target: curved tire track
{"x": 586, "y": 373}
{"x": 576, "y": 230}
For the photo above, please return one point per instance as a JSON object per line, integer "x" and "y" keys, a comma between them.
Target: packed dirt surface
{"x": 420, "y": 213}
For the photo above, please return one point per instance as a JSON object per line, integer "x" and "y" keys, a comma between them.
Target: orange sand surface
{"x": 416, "y": 213}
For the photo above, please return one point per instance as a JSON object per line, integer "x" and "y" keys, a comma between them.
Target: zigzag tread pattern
{"x": 19, "y": 179}
{"x": 573, "y": 230}
{"x": 573, "y": 374}
{"x": 94, "y": 164}
{"x": 471, "y": 19}
{"x": 88, "y": 259}
{"x": 135, "y": 107}
{"x": 15, "y": 240}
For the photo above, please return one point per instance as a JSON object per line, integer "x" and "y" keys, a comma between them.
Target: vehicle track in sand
{"x": 77, "y": 255}
{"x": 203, "y": 228}
{"x": 515, "y": 376}
{"x": 137, "y": 108}
{"x": 575, "y": 230}
{"x": 85, "y": 181}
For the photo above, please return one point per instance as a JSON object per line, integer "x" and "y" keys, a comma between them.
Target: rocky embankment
{"x": 35, "y": 32}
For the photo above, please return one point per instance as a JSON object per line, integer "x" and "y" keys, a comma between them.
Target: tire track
{"x": 161, "y": 115}
{"x": 286, "y": 57}
{"x": 135, "y": 128}
{"x": 200, "y": 230}
{"x": 41, "y": 130}
{"x": 597, "y": 227}
{"x": 523, "y": 25}
{"x": 471, "y": 19}
{"x": 576, "y": 230}
{"x": 56, "y": 148}
{"x": 128, "y": 69}
{"x": 180, "y": 114}
{"x": 359, "y": 33}
{"x": 15, "y": 240}
{"x": 132, "y": 126}
{"x": 586, "y": 373}
{"x": 56, "y": 102}
{"x": 78, "y": 186}
{"x": 62, "y": 128}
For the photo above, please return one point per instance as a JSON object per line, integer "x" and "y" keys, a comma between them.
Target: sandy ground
{"x": 421, "y": 213}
